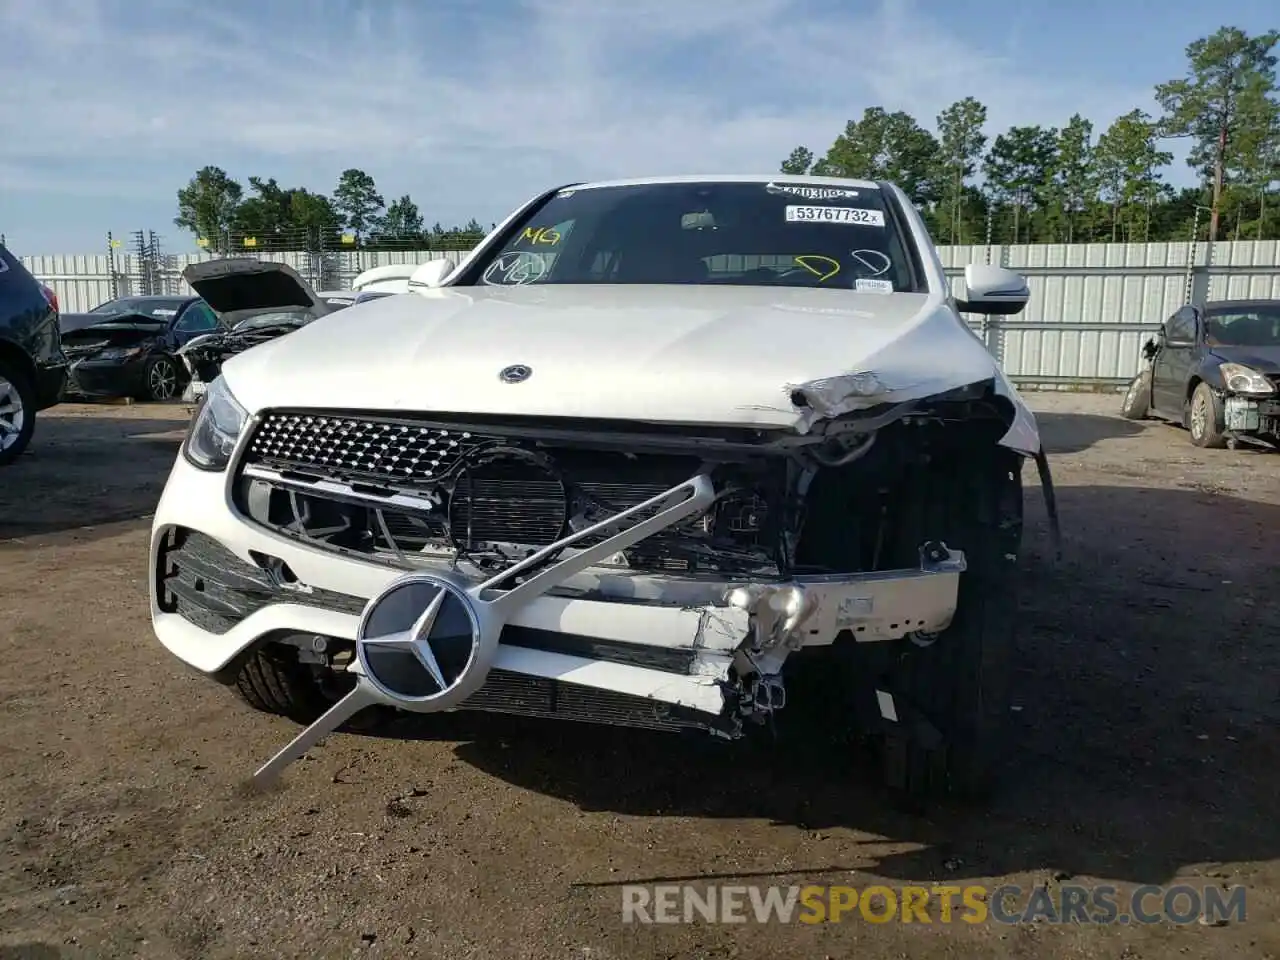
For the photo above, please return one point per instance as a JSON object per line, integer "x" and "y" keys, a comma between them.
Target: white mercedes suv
{"x": 669, "y": 453}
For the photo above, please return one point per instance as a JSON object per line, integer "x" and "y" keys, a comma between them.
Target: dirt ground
{"x": 1145, "y": 751}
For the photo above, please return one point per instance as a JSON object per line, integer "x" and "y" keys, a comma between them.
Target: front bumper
{"x": 221, "y": 586}
{"x": 51, "y": 382}
{"x": 105, "y": 378}
{"x": 1252, "y": 416}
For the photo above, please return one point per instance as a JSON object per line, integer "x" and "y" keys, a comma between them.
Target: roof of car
{"x": 156, "y": 296}
{"x": 799, "y": 179}
{"x": 1244, "y": 303}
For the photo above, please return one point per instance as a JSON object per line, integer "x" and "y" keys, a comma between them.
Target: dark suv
{"x": 33, "y": 369}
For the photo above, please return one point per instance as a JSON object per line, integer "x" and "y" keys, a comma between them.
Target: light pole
{"x": 1191, "y": 254}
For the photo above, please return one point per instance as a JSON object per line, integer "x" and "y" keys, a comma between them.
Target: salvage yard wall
{"x": 1092, "y": 305}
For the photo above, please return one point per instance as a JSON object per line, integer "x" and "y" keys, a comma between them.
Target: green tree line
{"x": 1038, "y": 184}
{"x": 215, "y": 208}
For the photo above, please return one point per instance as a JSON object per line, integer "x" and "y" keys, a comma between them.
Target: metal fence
{"x": 1092, "y": 305}
{"x": 82, "y": 282}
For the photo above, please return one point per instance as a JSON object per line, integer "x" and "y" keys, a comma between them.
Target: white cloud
{"x": 473, "y": 106}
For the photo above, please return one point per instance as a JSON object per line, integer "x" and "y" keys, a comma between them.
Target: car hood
{"x": 245, "y": 284}
{"x": 727, "y": 355}
{"x": 69, "y": 322}
{"x": 1262, "y": 359}
{"x": 120, "y": 331}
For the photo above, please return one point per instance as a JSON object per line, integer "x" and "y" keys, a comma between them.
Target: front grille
{"x": 379, "y": 450}
{"x": 494, "y": 496}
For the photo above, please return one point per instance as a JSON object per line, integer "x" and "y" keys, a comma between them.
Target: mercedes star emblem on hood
{"x": 518, "y": 373}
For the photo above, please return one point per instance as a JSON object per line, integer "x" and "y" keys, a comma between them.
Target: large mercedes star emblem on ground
{"x": 427, "y": 641}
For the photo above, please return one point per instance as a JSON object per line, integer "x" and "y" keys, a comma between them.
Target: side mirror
{"x": 993, "y": 290}
{"x": 432, "y": 273}
{"x": 1149, "y": 349}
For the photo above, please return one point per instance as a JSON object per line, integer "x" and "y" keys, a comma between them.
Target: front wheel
{"x": 1137, "y": 399}
{"x": 17, "y": 412}
{"x": 946, "y": 731}
{"x": 273, "y": 680}
{"x": 160, "y": 379}
{"x": 1207, "y": 424}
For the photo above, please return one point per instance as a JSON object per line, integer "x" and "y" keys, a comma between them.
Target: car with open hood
{"x": 256, "y": 301}
{"x": 686, "y": 453}
{"x": 33, "y": 368}
{"x": 128, "y": 347}
{"x": 1214, "y": 368}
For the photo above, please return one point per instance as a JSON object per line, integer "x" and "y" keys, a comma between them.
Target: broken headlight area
{"x": 204, "y": 356}
{"x": 1246, "y": 381}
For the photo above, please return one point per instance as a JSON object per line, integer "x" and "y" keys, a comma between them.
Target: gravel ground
{"x": 1145, "y": 751}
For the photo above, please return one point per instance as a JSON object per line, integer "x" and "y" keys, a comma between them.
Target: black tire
{"x": 273, "y": 681}
{"x": 952, "y": 696}
{"x": 161, "y": 379}
{"x": 1206, "y": 421}
{"x": 17, "y": 405}
{"x": 1137, "y": 398}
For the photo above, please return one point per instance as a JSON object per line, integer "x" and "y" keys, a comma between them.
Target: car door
{"x": 1174, "y": 361}
{"x": 198, "y": 318}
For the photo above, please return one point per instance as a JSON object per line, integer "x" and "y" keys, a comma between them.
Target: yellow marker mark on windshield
{"x": 824, "y": 268}
{"x": 541, "y": 235}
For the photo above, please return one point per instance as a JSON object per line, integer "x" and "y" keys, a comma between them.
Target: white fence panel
{"x": 1092, "y": 305}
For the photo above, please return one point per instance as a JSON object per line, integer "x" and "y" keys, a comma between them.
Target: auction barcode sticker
{"x": 857, "y": 216}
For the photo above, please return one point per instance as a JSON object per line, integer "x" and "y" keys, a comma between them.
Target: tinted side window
{"x": 196, "y": 318}
{"x": 1182, "y": 325}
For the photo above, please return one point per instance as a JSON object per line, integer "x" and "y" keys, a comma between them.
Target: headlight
{"x": 117, "y": 353}
{"x": 1242, "y": 379}
{"x": 214, "y": 429}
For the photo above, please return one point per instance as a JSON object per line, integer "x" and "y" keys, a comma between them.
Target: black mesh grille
{"x": 499, "y": 492}
{"x": 386, "y": 450}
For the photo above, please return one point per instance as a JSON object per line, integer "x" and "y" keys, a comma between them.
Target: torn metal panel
{"x": 931, "y": 359}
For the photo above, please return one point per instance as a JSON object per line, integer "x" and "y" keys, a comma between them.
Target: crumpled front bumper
{"x": 221, "y": 586}
{"x": 101, "y": 379}
{"x": 1247, "y": 416}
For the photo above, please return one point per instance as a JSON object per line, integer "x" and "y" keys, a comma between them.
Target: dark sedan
{"x": 128, "y": 347}
{"x": 1214, "y": 368}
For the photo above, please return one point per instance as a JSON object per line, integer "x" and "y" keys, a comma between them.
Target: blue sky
{"x": 108, "y": 106}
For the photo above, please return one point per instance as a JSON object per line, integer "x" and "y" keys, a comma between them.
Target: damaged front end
{"x": 204, "y": 355}
{"x": 666, "y": 574}
{"x": 107, "y": 358}
{"x": 1250, "y": 405}
{"x": 256, "y": 301}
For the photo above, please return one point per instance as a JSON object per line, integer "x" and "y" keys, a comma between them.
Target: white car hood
{"x": 711, "y": 355}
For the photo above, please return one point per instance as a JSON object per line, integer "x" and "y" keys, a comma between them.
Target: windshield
{"x": 781, "y": 233}
{"x": 156, "y": 309}
{"x": 1253, "y": 326}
